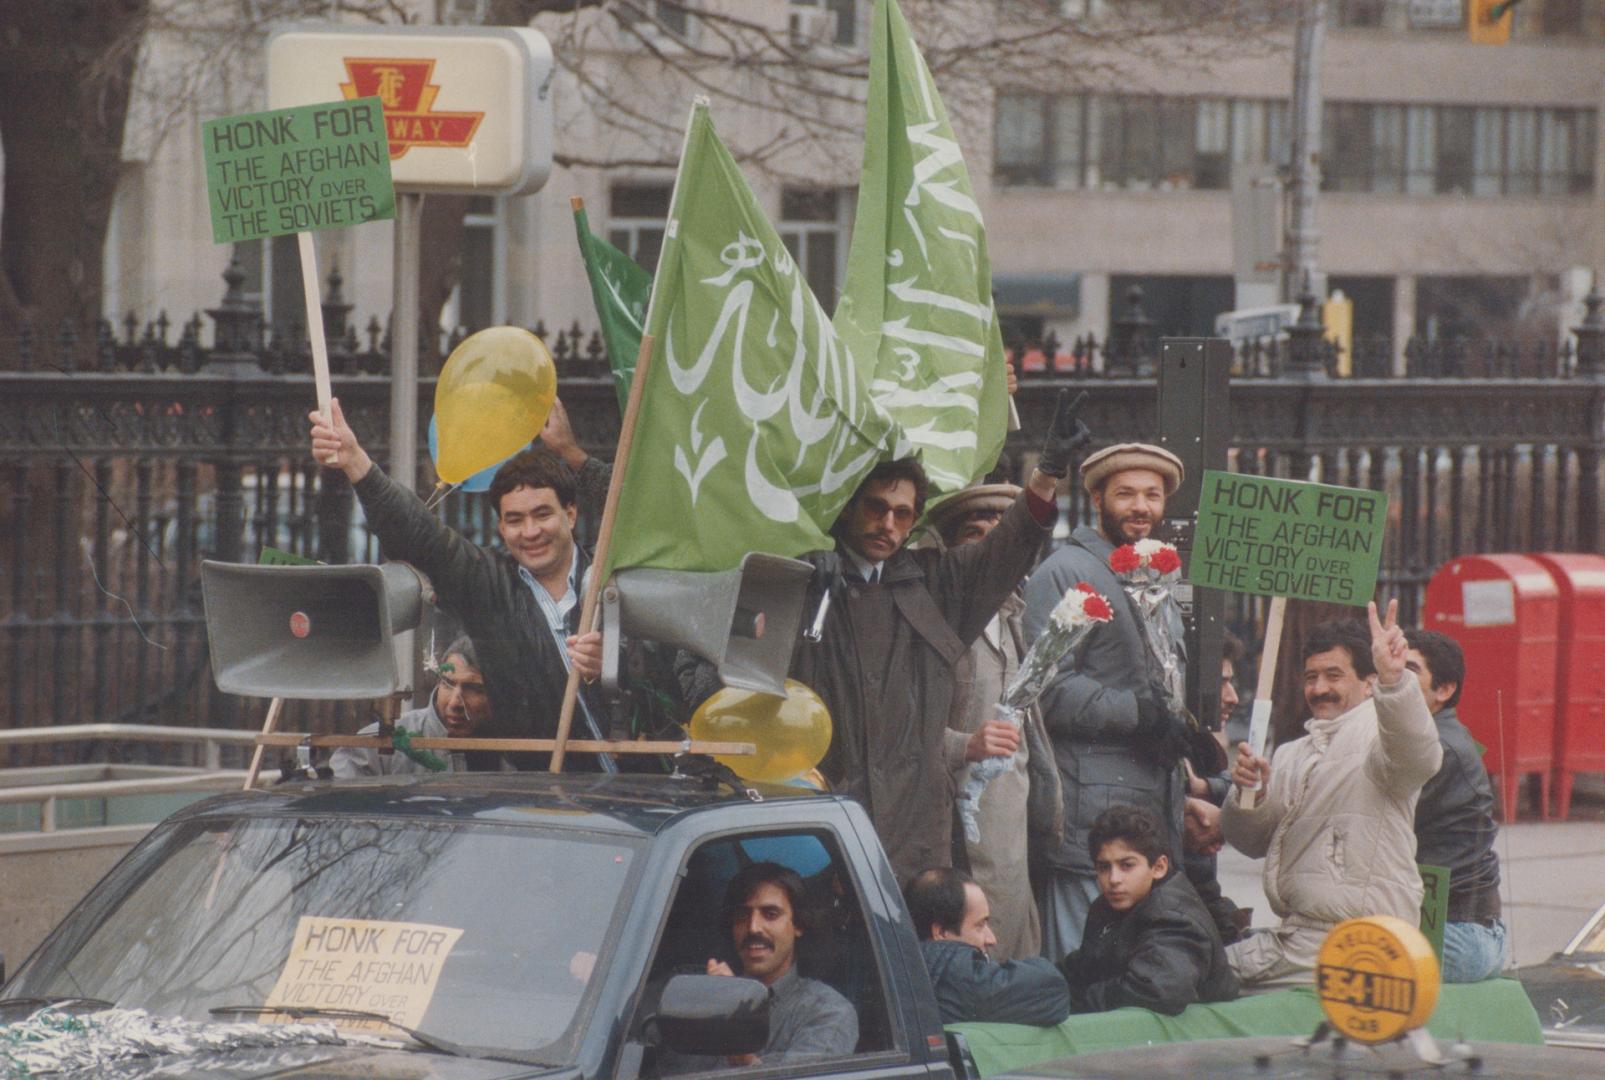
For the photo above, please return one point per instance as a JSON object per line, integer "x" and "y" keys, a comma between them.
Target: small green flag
{"x": 755, "y": 425}
{"x": 916, "y": 307}
{"x": 620, "y": 290}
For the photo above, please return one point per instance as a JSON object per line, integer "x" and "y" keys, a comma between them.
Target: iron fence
{"x": 131, "y": 457}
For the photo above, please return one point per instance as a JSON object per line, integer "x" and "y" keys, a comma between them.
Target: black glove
{"x": 1066, "y": 437}
{"x": 1161, "y": 734}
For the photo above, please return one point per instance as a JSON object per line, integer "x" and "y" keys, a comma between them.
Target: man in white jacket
{"x": 1335, "y": 821}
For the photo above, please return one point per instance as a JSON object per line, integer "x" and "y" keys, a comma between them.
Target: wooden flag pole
{"x": 604, "y": 542}
{"x": 314, "y": 302}
{"x": 1259, "y": 725}
{"x": 275, "y": 707}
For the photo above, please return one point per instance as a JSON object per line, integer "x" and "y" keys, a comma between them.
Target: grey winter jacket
{"x": 971, "y": 987}
{"x": 1091, "y": 708}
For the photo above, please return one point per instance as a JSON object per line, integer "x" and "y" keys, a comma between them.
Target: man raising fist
{"x": 1336, "y": 825}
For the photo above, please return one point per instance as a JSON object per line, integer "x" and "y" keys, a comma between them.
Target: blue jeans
{"x": 1473, "y": 952}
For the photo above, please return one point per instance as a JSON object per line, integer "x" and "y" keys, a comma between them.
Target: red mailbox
{"x": 1504, "y": 610}
{"x": 1580, "y": 679}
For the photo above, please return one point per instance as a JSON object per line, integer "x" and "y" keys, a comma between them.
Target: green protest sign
{"x": 1288, "y": 538}
{"x": 272, "y": 556}
{"x": 1434, "y": 904}
{"x": 297, "y": 170}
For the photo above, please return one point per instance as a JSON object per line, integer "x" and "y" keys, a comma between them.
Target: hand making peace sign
{"x": 1387, "y": 644}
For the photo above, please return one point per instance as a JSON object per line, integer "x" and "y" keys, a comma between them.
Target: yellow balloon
{"x": 492, "y": 398}
{"x": 792, "y": 733}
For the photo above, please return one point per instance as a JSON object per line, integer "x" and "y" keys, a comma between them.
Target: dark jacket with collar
{"x": 1090, "y": 707}
{"x": 1455, "y": 825}
{"x": 1164, "y": 954}
{"x": 971, "y": 987}
{"x": 885, "y": 670}
{"x": 525, "y": 674}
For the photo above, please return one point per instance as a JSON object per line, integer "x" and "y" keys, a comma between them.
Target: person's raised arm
{"x": 1408, "y": 751}
{"x": 335, "y": 445}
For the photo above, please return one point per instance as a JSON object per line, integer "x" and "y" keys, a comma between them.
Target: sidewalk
{"x": 1553, "y": 880}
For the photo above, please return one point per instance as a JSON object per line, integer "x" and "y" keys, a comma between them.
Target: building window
{"x": 1568, "y": 153}
{"x": 813, "y": 228}
{"x": 844, "y": 30}
{"x": 1020, "y": 153}
{"x": 1366, "y": 13}
{"x": 636, "y": 219}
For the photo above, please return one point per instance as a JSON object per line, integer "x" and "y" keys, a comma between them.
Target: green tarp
{"x": 1494, "y": 1011}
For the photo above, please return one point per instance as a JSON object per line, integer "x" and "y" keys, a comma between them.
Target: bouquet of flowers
{"x": 1147, "y": 570}
{"x": 1073, "y": 618}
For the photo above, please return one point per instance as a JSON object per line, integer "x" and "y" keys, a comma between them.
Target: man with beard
{"x": 456, "y": 710}
{"x": 1113, "y": 737}
{"x": 1336, "y": 823}
{"x": 766, "y": 910}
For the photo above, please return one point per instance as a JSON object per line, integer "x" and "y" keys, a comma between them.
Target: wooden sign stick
{"x": 1259, "y": 724}
{"x": 314, "y": 302}
{"x": 604, "y": 542}
{"x": 275, "y": 707}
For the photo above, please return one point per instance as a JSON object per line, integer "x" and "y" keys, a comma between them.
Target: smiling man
{"x": 1336, "y": 823}
{"x": 1114, "y": 740}
{"x": 518, "y": 604}
{"x": 767, "y": 913}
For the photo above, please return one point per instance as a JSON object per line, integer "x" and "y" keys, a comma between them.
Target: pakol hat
{"x": 1122, "y": 456}
{"x": 977, "y": 499}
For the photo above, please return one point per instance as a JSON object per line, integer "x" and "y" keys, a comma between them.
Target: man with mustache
{"x": 767, "y": 913}
{"x": 1335, "y": 822}
{"x": 1114, "y": 740}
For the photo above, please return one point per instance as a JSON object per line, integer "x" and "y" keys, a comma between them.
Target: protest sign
{"x": 294, "y": 171}
{"x": 297, "y": 170}
{"x": 383, "y": 967}
{"x": 1287, "y": 538}
{"x": 1434, "y": 904}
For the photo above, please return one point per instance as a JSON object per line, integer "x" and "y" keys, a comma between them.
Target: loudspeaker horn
{"x": 743, "y": 621}
{"x": 312, "y": 632}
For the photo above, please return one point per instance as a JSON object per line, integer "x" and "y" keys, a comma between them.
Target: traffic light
{"x": 1488, "y": 21}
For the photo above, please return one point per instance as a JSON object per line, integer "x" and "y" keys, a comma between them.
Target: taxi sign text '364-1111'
{"x": 1288, "y": 538}
{"x": 297, "y": 170}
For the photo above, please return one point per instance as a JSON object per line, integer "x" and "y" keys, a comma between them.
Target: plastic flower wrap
{"x": 1073, "y": 618}
{"x": 1147, "y": 570}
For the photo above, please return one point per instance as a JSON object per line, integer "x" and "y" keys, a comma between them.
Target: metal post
{"x": 1303, "y": 238}
{"x": 404, "y": 342}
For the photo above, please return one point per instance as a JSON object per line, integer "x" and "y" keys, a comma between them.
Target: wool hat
{"x": 976, "y": 499}
{"x": 1122, "y": 456}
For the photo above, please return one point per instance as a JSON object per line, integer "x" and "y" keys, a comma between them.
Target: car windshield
{"x": 483, "y": 935}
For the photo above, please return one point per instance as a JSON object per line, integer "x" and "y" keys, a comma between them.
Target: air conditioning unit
{"x": 810, "y": 27}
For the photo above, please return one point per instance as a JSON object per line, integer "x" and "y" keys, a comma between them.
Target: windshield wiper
{"x": 299, "y": 1012}
{"x": 71, "y": 999}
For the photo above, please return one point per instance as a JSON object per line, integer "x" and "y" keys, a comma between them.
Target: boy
{"x": 1149, "y": 941}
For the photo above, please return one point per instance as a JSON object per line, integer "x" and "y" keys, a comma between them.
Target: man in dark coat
{"x": 900, "y": 620}
{"x": 519, "y": 604}
{"x": 1149, "y": 940}
{"x": 1113, "y": 737}
{"x": 952, "y": 917}
{"x": 1454, "y": 821}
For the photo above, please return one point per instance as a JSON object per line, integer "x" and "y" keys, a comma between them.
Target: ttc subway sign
{"x": 465, "y": 110}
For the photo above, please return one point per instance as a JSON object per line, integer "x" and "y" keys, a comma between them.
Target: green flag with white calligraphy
{"x": 755, "y": 425}
{"x": 916, "y": 307}
{"x": 620, "y": 289}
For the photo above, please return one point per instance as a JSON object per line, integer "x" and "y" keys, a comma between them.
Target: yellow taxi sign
{"x": 1376, "y": 978}
{"x": 1488, "y": 21}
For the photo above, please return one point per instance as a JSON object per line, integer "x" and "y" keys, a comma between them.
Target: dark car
{"x": 1568, "y": 989}
{"x": 520, "y": 924}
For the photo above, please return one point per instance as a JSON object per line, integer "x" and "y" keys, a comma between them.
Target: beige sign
{"x": 384, "y": 967}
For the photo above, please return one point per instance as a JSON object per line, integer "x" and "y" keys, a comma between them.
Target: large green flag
{"x": 620, "y": 289}
{"x": 916, "y": 307}
{"x": 755, "y": 425}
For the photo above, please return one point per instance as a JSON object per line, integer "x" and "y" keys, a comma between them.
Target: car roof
{"x": 632, "y": 804}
